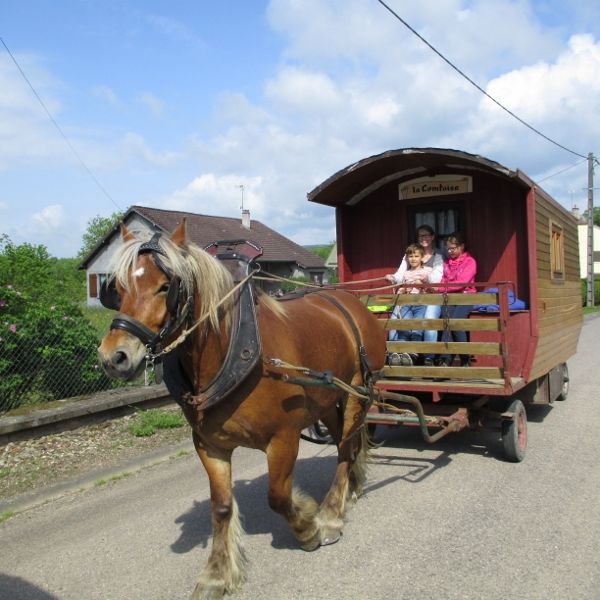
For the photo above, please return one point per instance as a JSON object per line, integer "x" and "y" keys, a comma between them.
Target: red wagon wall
{"x": 373, "y": 234}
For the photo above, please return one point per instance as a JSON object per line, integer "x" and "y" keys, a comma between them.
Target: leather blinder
{"x": 173, "y": 295}
{"x": 109, "y": 296}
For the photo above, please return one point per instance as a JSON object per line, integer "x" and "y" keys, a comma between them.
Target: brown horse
{"x": 164, "y": 285}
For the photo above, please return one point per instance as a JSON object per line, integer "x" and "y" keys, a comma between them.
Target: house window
{"x": 93, "y": 284}
{"x": 557, "y": 252}
{"x": 95, "y": 281}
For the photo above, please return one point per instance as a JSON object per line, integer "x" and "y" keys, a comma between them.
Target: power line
{"x": 562, "y": 170}
{"x": 65, "y": 138}
{"x": 512, "y": 114}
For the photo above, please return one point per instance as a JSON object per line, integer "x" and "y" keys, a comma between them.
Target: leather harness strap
{"x": 365, "y": 364}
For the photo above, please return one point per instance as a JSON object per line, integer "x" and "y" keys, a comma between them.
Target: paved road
{"x": 452, "y": 521}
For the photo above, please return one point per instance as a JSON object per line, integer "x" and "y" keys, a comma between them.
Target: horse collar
{"x": 245, "y": 348}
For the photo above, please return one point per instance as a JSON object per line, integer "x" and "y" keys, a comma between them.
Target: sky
{"x": 177, "y": 105}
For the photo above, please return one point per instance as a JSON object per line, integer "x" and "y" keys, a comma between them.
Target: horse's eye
{"x": 164, "y": 288}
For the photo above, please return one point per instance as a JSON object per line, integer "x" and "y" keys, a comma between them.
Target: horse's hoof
{"x": 330, "y": 536}
{"x": 313, "y": 543}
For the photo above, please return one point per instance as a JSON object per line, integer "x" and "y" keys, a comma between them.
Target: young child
{"x": 416, "y": 273}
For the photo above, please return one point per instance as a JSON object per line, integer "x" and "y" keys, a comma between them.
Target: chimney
{"x": 575, "y": 211}
{"x": 246, "y": 218}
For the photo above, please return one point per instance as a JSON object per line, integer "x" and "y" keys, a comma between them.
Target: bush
{"x": 596, "y": 292}
{"x": 47, "y": 352}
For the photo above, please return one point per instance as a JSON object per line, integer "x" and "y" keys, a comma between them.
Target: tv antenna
{"x": 242, "y": 186}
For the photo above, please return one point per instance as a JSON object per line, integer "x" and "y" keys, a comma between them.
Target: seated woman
{"x": 459, "y": 271}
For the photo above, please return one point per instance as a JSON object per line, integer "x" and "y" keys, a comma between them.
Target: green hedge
{"x": 47, "y": 351}
{"x": 596, "y": 292}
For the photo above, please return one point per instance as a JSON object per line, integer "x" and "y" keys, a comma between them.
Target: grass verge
{"x": 7, "y": 514}
{"x": 148, "y": 421}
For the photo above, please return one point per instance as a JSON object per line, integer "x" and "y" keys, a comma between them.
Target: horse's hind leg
{"x": 350, "y": 473}
{"x": 225, "y": 569}
{"x": 296, "y": 508}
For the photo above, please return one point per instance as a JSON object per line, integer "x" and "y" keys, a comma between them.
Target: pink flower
{"x": 13, "y": 328}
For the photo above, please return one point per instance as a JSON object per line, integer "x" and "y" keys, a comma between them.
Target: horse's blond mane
{"x": 196, "y": 268}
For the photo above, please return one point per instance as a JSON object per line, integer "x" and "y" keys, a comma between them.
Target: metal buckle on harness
{"x": 153, "y": 372}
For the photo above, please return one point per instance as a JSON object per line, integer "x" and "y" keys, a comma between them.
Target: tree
{"x": 596, "y": 215}
{"x": 32, "y": 270}
{"x": 97, "y": 228}
{"x": 26, "y": 267}
{"x": 323, "y": 250}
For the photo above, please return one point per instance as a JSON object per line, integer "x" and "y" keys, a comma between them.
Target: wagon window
{"x": 557, "y": 252}
{"x": 443, "y": 219}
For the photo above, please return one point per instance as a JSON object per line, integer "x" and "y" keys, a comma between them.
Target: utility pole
{"x": 590, "y": 232}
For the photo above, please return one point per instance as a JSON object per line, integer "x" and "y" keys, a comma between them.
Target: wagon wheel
{"x": 514, "y": 433}
{"x": 564, "y": 392}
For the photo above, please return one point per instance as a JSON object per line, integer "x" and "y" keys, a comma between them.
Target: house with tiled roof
{"x": 281, "y": 256}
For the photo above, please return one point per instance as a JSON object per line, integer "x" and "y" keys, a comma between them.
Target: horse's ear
{"x": 126, "y": 234}
{"x": 179, "y": 235}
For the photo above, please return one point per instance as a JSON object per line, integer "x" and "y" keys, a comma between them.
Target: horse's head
{"x": 152, "y": 293}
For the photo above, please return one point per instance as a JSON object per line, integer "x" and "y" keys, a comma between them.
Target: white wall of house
{"x": 583, "y": 242}
{"x": 99, "y": 267}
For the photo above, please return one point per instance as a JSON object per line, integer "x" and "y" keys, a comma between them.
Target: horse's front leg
{"x": 225, "y": 570}
{"x": 350, "y": 473}
{"x": 297, "y": 508}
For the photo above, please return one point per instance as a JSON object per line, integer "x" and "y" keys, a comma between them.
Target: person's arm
{"x": 438, "y": 269}
{"x": 399, "y": 274}
{"x": 465, "y": 275}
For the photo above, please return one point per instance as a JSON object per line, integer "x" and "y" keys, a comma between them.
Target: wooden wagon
{"x": 525, "y": 244}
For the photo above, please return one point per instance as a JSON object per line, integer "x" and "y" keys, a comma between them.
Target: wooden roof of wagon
{"x": 351, "y": 184}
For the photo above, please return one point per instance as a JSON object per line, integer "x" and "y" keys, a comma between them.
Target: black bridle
{"x": 179, "y": 306}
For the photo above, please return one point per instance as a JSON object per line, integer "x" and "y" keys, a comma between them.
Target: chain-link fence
{"x": 48, "y": 353}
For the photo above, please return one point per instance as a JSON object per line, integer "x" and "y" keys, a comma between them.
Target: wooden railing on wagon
{"x": 494, "y": 322}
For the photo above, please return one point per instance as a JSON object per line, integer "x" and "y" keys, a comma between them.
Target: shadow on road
{"x": 16, "y": 588}
{"x": 312, "y": 475}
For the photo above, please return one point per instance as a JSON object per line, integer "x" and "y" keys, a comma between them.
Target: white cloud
{"x": 154, "y": 104}
{"x": 51, "y": 217}
{"x": 552, "y": 97}
{"x": 177, "y": 30}
{"x": 26, "y": 133}
{"x": 351, "y": 81}
{"x": 212, "y": 194}
{"x": 106, "y": 94}
{"x": 298, "y": 89}
{"x": 134, "y": 146}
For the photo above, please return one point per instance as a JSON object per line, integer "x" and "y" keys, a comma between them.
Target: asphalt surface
{"x": 450, "y": 521}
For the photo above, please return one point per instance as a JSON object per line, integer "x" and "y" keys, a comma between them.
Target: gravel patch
{"x": 32, "y": 464}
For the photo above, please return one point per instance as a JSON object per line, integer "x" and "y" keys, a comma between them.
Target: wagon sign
{"x": 429, "y": 187}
